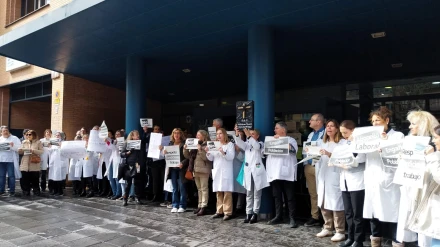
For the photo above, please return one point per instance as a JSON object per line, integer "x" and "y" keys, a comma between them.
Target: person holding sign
{"x": 422, "y": 123}
{"x": 58, "y": 166}
{"x": 9, "y": 161}
{"x": 329, "y": 193}
{"x": 133, "y": 169}
{"x": 424, "y": 213}
{"x": 201, "y": 168}
{"x": 353, "y": 192}
{"x": 30, "y": 166}
{"x": 281, "y": 174}
{"x": 45, "y": 157}
{"x": 177, "y": 174}
{"x": 255, "y": 177}
{"x": 223, "y": 175}
{"x": 381, "y": 195}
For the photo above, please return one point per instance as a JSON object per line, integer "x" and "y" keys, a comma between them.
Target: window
{"x": 17, "y": 9}
{"x": 28, "y": 6}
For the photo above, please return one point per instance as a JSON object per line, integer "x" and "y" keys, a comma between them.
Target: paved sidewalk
{"x": 68, "y": 221}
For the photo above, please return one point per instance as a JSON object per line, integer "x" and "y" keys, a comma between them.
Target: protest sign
{"x": 366, "y": 139}
{"x": 134, "y": 144}
{"x": 172, "y": 156}
{"x": 103, "y": 131}
{"x": 192, "y": 143}
{"x": 153, "y": 147}
{"x": 95, "y": 143}
{"x": 342, "y": 157}
{"x": 212, "y": 133}
{"x": 279, "y": 146}
{"x": 146, "y": 122}
{"x": 73, "y": 149}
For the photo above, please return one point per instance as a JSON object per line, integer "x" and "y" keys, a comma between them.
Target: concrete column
{"x": 135, "y": 107}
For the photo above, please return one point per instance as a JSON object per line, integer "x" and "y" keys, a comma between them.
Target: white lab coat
{"x": 327, "y": 178}
{"x": 253, "y": 153}
{"x": 72, "y": 168}
{"x": 382, "y": 196}
{"x": 58, "y": 165}
{"x": 90, "y": 165}
{"x": 353, "y": 178}
{"x": 45, "y": 156}
{"x": 283, "y": 167}
{"x": 238, "y": 162}
{"x": 222, "y": 172}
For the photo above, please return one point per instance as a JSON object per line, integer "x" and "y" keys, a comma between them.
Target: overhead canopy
{"x": 316, "y": 42}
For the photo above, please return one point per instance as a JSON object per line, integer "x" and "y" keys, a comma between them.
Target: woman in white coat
{"x": 353, "y": 192}
{"x": 58, "y": 166}
{"x": 255, "y": 177}
{"x": 223, "y": 175}
{"x": 45, "y": 158}
{"x": 329, "y": 192}
{"x": 281, "y": 174}
{"x": 382, "y": 196}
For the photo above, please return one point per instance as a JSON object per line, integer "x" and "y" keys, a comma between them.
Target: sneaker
{"x": 338, "y": 237}
{"x": 181, "y": 210}
{"x": 170, "y": 206}
{"x": 174, "y": 210}
{"x": 312, "y": 222}
{"x": 324, "y": 233}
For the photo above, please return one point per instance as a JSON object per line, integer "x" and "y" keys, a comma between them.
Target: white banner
{"x": 212, "y": 133}
{"x": 146, "y": 122}
{"x": 73, "y": 149}
{"x": 342, "y": 156}
{"x": 192, "y": 143}
{"x": 153, "y": 147}
{"x": 172, "y": 156}
{"x": 279, "y": 146}
{"x": 134, "y": 144}
{"x": 366, "y": 139}
{"x": 103, "y": 131}
{"x": 95, "y": 143}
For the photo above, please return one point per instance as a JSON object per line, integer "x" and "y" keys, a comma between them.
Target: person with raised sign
{"x": 239, "y": 190}
{"x": 45, "y": 158}
{"x": 382, "y": 196}
{"x": 113, "y": 169}
{"x": 281, "y": 174}
{"x": 353, "y": 192}
{"x": 422, "y": 123}
{"x": 9, "y": 161}
{"x": 223, "y": 175}
{"x": 329, "y": 193}
{"x": 132, "y": 169}
{"x": 201, "y": 168}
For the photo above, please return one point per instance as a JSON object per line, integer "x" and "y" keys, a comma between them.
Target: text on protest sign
{"x": 279, "y": 146}
{"x": 153, "y": 147}
{"x": 95, "y": 143}
{"x": 342, "y": 157}
{"x": 172, "y": 156}
{"x": 192, "y": 143}
{"x": 146, "y": 122}
{"x": 212, "y": 133}
{"x": 366, "y": 139}
{"x": 390, "y": 152}
{"x": 120, "y": 143}
{"x": 213, "y": 146}
{"x": 103, "y": 131}
{"x": 73, "y": 149}
{"x": 134, "y": 144}
{"x": 5, "y": 146}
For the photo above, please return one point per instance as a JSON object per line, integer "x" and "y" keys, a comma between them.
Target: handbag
{"x": 240, "y": 177}
{"x": 189, "y": 175}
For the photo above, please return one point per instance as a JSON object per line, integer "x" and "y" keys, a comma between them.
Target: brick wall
{"x": 4, "y": 106}
{"x": 30, "y": 115}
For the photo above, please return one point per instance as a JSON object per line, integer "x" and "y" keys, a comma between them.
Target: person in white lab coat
{"x": 223, "y": 175}
{"x": 382, "y": 196}
{"x": 239, "y": 190}
{"x": 58, "y": 166}
{"x": 255, "y": 177}
{"x": 45, "y": 158}
{"x": 329, "y": 192}
{"x": 353, "y": 192}
{"x": 281, "y": 174}
{"x": 422, "y": 123}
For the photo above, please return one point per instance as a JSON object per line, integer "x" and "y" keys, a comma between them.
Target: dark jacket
{"x": 135, "y": 156}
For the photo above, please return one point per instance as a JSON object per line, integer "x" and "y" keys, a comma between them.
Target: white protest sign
{"x": 153, "y": 147}
{"x": 103, "y": 131}
{"x": 134, "y": 144}
{"x": 192, "y": 143}
{"x": 390, "y": 152}
{"x": 73, "y": 149}
{"x": 146, "y": 122}
{"x": 120, "y": 142}
{"x": 95, "y": 143}
{"x": 172, "y": 156}
{"x": 366, "y": 139}
{"x": 279, "y": 146}
{"x": 231, "y": 133}
{"x": 411, "y": 168}
{"x": 212, "y": 133}
{"x": 5, "y": 146}
{"x": 213, "y": 146}
{"x": 55, "y": 141}
{"x": 342, "y": 157}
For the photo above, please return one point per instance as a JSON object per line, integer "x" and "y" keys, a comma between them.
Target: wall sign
{"x": 57, "y": 97}
{"x": 12, "y": 64}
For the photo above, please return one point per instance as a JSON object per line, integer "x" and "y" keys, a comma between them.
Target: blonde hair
{"x": 425, "y": 121}
{"x": 225, "y": 135}
{"x": 130, "y": 136}
{"x": 182, "y": 136}
{"x": 205, "y": 135}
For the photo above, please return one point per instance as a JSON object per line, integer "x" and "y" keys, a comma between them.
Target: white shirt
{"x": 8, "y": 156}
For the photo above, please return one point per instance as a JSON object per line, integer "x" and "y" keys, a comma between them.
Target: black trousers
{"x": 378, "y": 228}
{"x": 103, "y": 184}
{"x": 278, "y": 186}
{"x": 43, "y": 179}
{"x": 77, "y": 186}
{"x": 354, "y": 209}
{"x": 138, "y": 186}
{"x": 157, "y": 177}
{"x": 58, "y": 186}
{"x": 87, "y": 183}
{"x": 30, "y": 180}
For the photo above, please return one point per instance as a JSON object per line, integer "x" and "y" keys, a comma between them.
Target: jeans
{"x": 435, "y": 242}
{"x": 9, "y": 168}
{"x": 114, "y": 183}
{"x": 131, "y": 189}
{"x": 178, "y": 201}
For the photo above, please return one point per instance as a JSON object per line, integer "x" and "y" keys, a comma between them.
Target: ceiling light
{"x": 382, "y": 94}
{"x": 171, "y": 94}
{"x": 186, "y": 70}
{"x": 201, "y": 104}
{"x": 388, "y": 87}
{"x": 224, "y": 103}
{"x": 436, "y": 82}
{"x": 396, "y": 65}
{"x": 378, "y": 35}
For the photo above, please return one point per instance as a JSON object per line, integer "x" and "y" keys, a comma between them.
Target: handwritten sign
{"x": 73, "y": 149}
{"x": 279, "y": 146}
{"x": 146, "y": 122}
{"x": 192, "y": 143}
{"x": 103, "y": 131}
{"x": 366, "y": 139}
{"x": 172, "y": 156}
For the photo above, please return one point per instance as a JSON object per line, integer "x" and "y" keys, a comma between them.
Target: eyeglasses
{"x": 28, "y": 134}
{"x": 314, "y": 120}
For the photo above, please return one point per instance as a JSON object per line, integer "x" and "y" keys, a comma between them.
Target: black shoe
{"x": 115, "y": 197}
{"x": 37, "y": 193}
{"x": 248, "y": 218}
{"x": 124, "y": 202}
{"x": 131, "y": 199}
{"x": 91, "y": 194}
{"x": 52, "y": 193}
{"x": 216, "y": 216}
{"x": 357, "y": 244}
{"x": 276, "y": 220}
{"x": 197, "y": 211}
{"x": 347, "y": 243}
{"x": 83, "y": 194}
{"x": 201, "y": 212}
{"x": 254, "y": 219}
{"x": 138, "y": 201}
{"x": 293, "y": 223}
{"x": 152, "y": 199}
{"x": 227, "y": 217}
{"x": 312, "y": 222}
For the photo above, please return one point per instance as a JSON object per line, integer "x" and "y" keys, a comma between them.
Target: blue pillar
{"x": 261, "y": 90}
{"x": 135, "y": 106}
